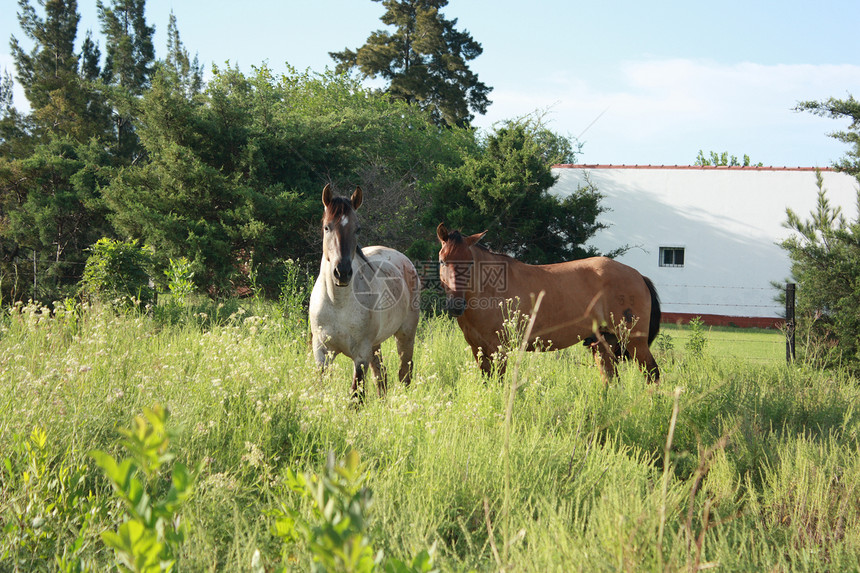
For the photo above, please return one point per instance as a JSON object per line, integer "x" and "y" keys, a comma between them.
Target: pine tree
{"x": 14, "y": 142}
{"x": 188, "y": 71}
{"x": 130, "y": 53}
{"x": 61, "y": 99}
{"x": 424, "y": 61}
{"x": 129, "y": 64}
{"x": 90, "y": 58}
{"x": 52, "y": 63}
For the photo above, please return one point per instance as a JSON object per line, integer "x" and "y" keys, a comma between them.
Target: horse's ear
{"x": 356, "y": 198}
{"x": 326, "y": 196}
{"x": 442, "y": 233}
{"x": 472, "y": 239}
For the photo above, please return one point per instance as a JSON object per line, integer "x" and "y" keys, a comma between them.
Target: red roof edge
{"x": 702, "y": 167}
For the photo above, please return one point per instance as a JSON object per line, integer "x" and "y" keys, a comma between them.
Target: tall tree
{"x": 424, "y": 60}
{"x": 825, "y": 254}
{"x": 841, "y": 109}
{"x": 52, "y": 211}
{"x": 825, "y": 264}
{"x": 52, "y": 62}
{"x": 61, "y": 99}
{"x": 14, "y": 142}
{"x": 188, "y": 71}
{"x": 129, "y": 63}
{"x": 504, "y": 189}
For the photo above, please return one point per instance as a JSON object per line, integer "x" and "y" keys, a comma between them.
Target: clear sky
{"x": 637, "y": 82}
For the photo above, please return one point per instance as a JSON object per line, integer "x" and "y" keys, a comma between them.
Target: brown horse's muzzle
{"x": 455, "y": 305}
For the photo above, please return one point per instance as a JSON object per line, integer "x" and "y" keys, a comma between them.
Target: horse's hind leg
{"x": 379, "y": 371}
{"x": 605, "y": 350}
{"x": 638, "y": 348}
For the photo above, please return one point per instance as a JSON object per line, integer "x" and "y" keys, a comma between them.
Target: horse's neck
{"x": 494, "y": 274}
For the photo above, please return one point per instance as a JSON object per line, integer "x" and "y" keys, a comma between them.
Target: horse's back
{"x": 395, "y": 280}
{"x": 392, "y": 263}
{"x": 587, "y": 292}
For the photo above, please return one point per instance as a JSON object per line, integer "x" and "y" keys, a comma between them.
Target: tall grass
{"x": 727, "y": 463}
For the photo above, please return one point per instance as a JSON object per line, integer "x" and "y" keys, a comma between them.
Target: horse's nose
{"x": 343, "y": 272}
{"x": 455, "y": 306}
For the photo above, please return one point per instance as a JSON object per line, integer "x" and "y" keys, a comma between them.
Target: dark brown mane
{"x": 457, "y": 238}
{"x": 337, "y": 208}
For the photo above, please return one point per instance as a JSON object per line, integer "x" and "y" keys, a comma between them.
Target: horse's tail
{"x": 654, "y": 324}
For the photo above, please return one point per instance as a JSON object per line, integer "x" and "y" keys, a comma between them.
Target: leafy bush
{"x": 116, "y": 273}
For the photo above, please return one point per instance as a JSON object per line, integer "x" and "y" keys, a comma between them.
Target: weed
{"x": 150, "y": 538}
{"x": 695, "y": 346}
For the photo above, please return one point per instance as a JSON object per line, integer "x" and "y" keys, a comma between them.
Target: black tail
{"x": 654, "y": 324}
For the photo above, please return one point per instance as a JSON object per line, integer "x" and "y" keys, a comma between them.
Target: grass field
{"x": 735, "y": 462}
{"x": 756, "y": 345}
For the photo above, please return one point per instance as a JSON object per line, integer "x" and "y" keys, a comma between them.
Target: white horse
{"x": 361, "y": 298}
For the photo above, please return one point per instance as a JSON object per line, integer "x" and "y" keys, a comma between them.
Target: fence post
{"x": 790, "y": 289}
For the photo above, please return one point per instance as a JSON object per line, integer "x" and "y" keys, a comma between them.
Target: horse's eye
{"x": 327, "y": 228}
{"x": 441, "y": 263}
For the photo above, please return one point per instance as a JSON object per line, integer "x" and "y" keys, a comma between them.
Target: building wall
{"x": 729, "y": 222}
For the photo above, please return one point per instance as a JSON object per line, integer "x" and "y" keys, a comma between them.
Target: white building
{"x": 707, "y": 236}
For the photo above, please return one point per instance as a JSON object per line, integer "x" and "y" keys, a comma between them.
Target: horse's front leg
{"x": 606, "y": 350}
{"x": 358, "y": 378}
{"x": 323, "y": 356}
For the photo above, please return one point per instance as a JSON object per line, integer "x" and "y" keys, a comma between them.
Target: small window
{"x": 671, "y": 256}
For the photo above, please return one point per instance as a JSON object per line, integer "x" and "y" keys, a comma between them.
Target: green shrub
{"x": 116, "y": 273}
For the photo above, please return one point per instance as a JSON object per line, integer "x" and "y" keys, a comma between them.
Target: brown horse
{"x": 600, "y": 302}
{"x": 361, "y": 297}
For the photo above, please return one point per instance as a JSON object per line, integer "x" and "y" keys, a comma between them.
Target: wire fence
{"x": 35, "y": 271}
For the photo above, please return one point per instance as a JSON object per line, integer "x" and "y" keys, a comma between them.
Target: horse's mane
{"x": 458, "y": 239}
{"x": 337, "y": 207}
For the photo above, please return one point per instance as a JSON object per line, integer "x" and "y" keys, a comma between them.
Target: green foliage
{"x": 424, "y": 61}
{"x": 295, "y": 295}
{"x": 129, "y": 63}
{"x": 53, "y": 206}
{"x": 504, "y": 189}
{"x": 237, "y": 171}
{"x": 150, "y": 538}
{"x": 825, "y": 264}
{"x": 337, "y": 535}
{"x": 189, "y": 72}
{"x": 695, "y": 345}
{"x": 64, "y": 101}
{"x": 50, "y": 500}
{"x": 841, "y": 109}
{"x": 180, "y": 278}
{"x": 117, "y": 273}
{"x": 723, "y": 160}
